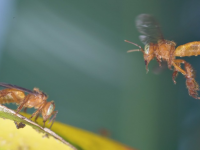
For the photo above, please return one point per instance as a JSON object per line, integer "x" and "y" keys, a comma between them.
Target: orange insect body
{"x": 11, "y": 96}
{"x": 161, "y": 50}
{"x": 189, "y": 49}
{"x": 35, "y": 99}
{"x": 164, "y": 50}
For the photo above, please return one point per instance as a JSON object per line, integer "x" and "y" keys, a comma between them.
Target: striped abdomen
{"x": 11, "y": 96}
{"x": 189, "y": 49}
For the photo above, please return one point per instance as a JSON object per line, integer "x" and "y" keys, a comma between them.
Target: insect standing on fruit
{"x": 34, "y": 99}
{"x": 164, "y": 50}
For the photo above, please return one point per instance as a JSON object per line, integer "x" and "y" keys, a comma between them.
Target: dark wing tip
{"x": 15, "y": 87}
{"x": 149, "y": 28}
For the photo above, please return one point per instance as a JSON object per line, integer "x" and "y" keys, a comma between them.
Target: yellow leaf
{"x": 82, "y": 139}
{"x": 30, "y": 137}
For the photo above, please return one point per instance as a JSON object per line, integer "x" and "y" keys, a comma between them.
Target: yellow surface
{"x": 87, "y": 140}
{"x": 84, "y": 139}
{"x": 26, "y": 138}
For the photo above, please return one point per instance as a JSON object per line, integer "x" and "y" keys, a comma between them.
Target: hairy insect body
{"x": 35, "y": 99}
{"x": 11, "y": 96}
{"x": 191, "y": 84}
{"x": 189, "y": 49}
{"x": 165, "y": 50}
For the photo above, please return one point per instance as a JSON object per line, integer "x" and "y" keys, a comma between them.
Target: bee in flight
{"x": 34, "y": 99}
{"x": 164, "y": 50}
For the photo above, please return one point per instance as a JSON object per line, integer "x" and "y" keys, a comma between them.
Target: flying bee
{"x": 164, "y": 50}
{"x": 34, "y": 99}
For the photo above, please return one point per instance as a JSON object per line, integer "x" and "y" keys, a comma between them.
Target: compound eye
{"x": 50, "y": 109}
{"x": 146, "y": 49}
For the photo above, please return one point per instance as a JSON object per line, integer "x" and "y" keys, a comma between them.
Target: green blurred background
{"x": 75, "y": 52}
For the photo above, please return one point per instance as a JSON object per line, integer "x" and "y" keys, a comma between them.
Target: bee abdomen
{"x": 189, "y": 49}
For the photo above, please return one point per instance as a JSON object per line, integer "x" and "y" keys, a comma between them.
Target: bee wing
{"x": 159, "y": 69}
{"x": 149, "y": 28}
{"x": 15, "y": 87}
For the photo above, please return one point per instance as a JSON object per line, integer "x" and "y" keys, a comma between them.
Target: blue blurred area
{"x": 75, "y": 52}
{"x": 7, "y": 9}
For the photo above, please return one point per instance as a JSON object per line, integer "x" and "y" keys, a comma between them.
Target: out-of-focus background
{"x": 75, "y": 52}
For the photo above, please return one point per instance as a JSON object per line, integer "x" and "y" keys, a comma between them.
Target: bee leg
{"x": 177, "y": 66}
{"x": 25, "y": 109}
{"x": 191, "y": 84}
{"x": 174, "y": 75}
{"x": 159, "y": 62}
{"x": 37, "y": 112}
{"x": 193, "y": 87}
{"x": 36, "y": 117}
{"x": 44, "y": 123}
{"x": 189, "y": 74}
{"x": 53, "y": 118}
{"x": 158, "y": 58}
{"x": 146, "y": 64}
{"x": 23, "y": 103}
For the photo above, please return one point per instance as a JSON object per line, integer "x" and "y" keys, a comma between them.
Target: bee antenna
{"x": 132, "y": 43}
{"x": 135, "y": 50}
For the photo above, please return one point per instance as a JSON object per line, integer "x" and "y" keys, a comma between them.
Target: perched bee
{"x": 34, "y": 99}
{"x": 164, "y": 50}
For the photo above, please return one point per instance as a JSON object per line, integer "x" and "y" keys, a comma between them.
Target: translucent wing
{"x": 149, "y": 28}
{"x": 159, "y": 69}
{"x": 16, "y": 87}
